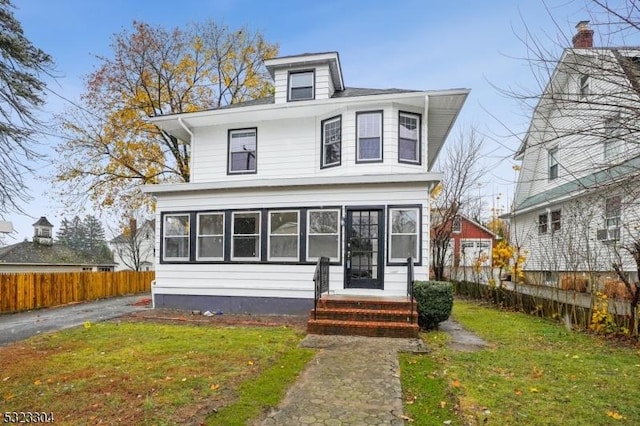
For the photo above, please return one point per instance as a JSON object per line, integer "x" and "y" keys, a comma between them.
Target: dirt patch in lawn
{"x": 175, "y": 316}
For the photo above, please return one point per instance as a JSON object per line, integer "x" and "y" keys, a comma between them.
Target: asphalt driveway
{"x": 22, "y": 325}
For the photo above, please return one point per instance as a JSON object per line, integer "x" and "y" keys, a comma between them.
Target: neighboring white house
{"x": 575, "y": 204}
{"x": 135, "y": 250}
{"x": 319, "y": 169}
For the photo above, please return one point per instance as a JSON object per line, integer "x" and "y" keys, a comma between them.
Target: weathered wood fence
{"x": 25, "y": 291}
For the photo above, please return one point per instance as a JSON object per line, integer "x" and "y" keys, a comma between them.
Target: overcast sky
{"x": 409, "y": 44}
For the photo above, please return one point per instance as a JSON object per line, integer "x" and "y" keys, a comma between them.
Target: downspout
{"x": 188, "y": 130}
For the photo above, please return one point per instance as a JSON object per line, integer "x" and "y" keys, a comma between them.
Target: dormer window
{"x": 301, "y": 85}
{"x": 583, "y": 85}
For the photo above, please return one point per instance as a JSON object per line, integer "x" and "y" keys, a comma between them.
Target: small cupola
{"x": 305, "y": 77}
{"x": 43, "y": 232}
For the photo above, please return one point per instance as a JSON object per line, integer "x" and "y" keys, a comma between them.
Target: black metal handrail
{"x": 320, "y": 281}
{"x": 410, "y": 279}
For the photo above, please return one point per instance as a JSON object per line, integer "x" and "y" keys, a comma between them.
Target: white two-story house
{"x": 575, "y": 208}
{"x": 319, "y": 169}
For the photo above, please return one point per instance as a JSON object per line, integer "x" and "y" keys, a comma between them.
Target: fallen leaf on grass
{"x": 443, "y": 404}
{"x": 615, "y": 415}
{"x": 533, "y": 390}
{"x": 214, "y": 387}
{"x": 518, "y": 392}
{"x": 249, "y": 362}
{"x": 455, "y": 383}
{"x": 37, "y": 382}
{"x": 5, "y": 379}
{"x": 407, "y": 418}
{"x": 8, "y": 397}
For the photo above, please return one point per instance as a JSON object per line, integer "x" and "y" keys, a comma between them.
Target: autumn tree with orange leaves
{"x": 110, "y": 149}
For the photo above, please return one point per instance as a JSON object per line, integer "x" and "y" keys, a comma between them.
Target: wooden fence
{"x": 25, "y": 291}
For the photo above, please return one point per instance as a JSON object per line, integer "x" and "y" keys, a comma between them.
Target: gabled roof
{"x": 151, "y": 224}
{"x": 30, "y": 253}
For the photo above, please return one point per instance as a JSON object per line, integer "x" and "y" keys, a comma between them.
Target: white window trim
{"x": 164, "y": 237}
{"x": 456, "y": 229}
{"x": 618, "y": 216}
{"x": 309, "y": 233}
{"x": 380, "y": 136}
{"x": 391, "y": 234}
{"x": 290, "y": 86}
{"x": 233, "y": 236}
{"x": 417, "y": 140}
{"x": 198, "y": 235}
{"x": 324, "y": 144}
{"x": 297, "y": 234}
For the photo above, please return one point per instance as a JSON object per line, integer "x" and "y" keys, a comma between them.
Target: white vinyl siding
{"x": 613, "y": 142}
{"x": 176, "y": 237}
{"x": 404, "y": 226}
{"x": 210, "y": 237}
{"x": 284, "y": 235}
{"x": 245, "y": 242}
{"x": 323, "y": 234}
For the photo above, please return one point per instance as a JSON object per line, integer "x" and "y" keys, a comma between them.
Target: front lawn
{"x": 149, "y": 373}
{"x": 535, "y": 372}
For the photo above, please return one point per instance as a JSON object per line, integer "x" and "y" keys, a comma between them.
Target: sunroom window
{"x": 301, "y": 86}
{"x": 210, "y": 236}
{"x": 283, "y": 235}
{"x": 245, "y": 244}
{"x": 176, "y": 237}
{"x": 404, "y": 234}
{"x": 323, "y": 234}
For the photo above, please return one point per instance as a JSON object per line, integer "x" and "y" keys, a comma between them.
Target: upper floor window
{"x": 301, "y": 85}
{"x": 409, "y": 138}
{"x": 556, "y": 219}
{"x": 543, "y": 223}
{"x": 210, "y": 239}
{"x": 242, "y": 150}
{"x": 331, "y": 141}
{"x": 369, "y": 139}
{"x": 583, "y": 85}
{"x": 613, "y": 143}
{"x": 176, "y": 236}
{"x": 457, "y": 225}
{"x": 612, "y": 212}
{"x": 550, "y": 220}
{"x": 553, "y": 163}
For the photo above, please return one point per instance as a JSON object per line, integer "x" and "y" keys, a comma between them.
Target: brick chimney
{"x": 584, "y": 36}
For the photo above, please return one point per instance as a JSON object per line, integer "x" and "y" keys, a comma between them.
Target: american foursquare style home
{"x": 317, "y": 170}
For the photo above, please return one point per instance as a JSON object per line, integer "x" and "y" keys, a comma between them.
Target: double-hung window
{"x": 284, "y": 231}
{"x": 583, "y": 85}
{"x": 301, "y": 85}
{"x": 210, "y": 241}
{"x": 331, "y": 141}
{"x": 176, "y": 237}
{"x": 556, "y": 220}
{"x": 543, "y": 223}
{"x": 409, "y": 138}
{"x": 245, "y": 243}
{"x": 612, "y": 217}
{"x": 369, "y": 136}
{"x": 613, "y": 142}
{"x": 553, "y": 163}
{"x": 323, "y": 234}
{"x": 404, "y": 227}
{"x": 242, "y": 151}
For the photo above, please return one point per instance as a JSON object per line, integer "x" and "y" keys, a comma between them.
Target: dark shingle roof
{"x": 43, "y": 222}
{"x": 28, "y": 252}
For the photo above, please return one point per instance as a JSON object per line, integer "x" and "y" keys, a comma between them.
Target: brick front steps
{"x": 364, "y": 316}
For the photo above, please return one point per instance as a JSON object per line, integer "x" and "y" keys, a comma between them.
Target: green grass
{"x": 535, "y": 372}
{"x": 147, "y": 372}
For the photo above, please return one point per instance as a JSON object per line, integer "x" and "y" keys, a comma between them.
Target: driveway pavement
{"x": 19, "y": 326}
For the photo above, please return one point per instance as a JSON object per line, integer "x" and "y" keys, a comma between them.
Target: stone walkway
{"x": 355, "y": 380}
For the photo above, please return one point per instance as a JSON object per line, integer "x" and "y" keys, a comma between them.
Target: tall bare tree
{"x": 457, "y": 193}
{"x": 22, "y": 67}
{"x": 110, "y": 149}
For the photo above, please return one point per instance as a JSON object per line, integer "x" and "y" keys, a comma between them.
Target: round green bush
{"x": 435, "y": 301}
